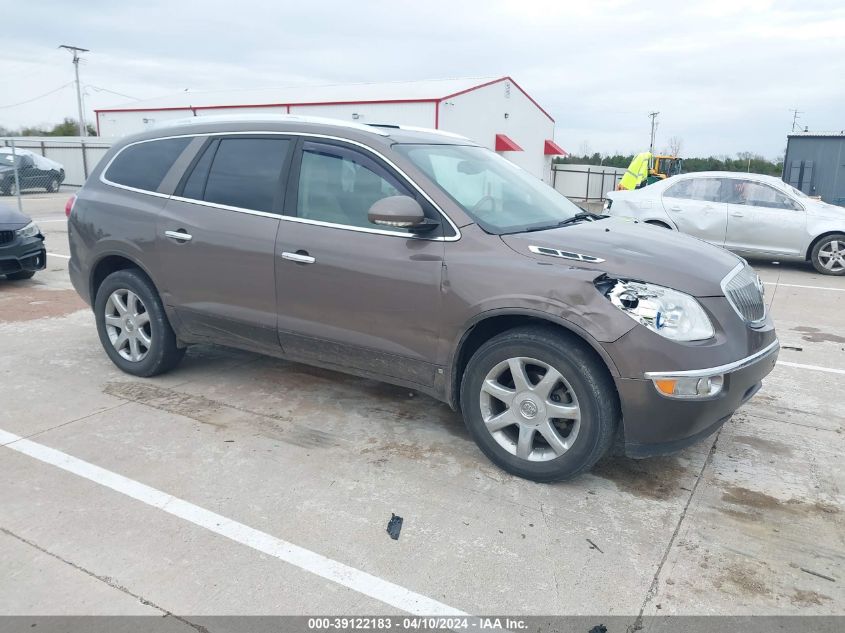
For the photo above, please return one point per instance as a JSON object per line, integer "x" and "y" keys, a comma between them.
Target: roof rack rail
{"x": 281, "y": 118}
{"x": 414, "y": 128}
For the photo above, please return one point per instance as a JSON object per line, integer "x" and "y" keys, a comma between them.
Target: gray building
{"x": 815, "y": 164}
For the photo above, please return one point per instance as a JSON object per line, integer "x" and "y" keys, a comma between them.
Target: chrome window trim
{"x": 721, "y": 369}
{"x": 724, "y": 285}
{"x": 289, "y": 218}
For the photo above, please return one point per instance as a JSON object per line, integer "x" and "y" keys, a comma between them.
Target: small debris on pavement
{"x": 394, "y": 526}
{"x": 793, "y": 347}
{"x": 815, "y": 573}
{"x": 594, "y": 546}
{"x": 599, "y": 628}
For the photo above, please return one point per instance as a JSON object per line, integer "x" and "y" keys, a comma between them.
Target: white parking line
{"x": 774, "y": 283}
{"x": 355, "y": 579}
{"x": 57, "y": 255}
{"x": 46, "y": 221}
{"x": 828, "y": 370}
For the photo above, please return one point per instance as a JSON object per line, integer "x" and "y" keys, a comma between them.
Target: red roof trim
{"x": 312, "y": 103}
{"x": 495, "y": 81}
{"x": 504, "y": 143}
{"x": 266, "y": 105}
{"x": 550, "y": 148}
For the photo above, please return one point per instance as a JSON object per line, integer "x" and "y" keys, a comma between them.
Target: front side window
{"x": 498, "y": 195}
{"x": 339, "y": 185}
{"x": 756, "y": 194}
{"x": 144, "y": 165}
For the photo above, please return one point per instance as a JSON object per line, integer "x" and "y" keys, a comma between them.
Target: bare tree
{"x": 676, "y": 144}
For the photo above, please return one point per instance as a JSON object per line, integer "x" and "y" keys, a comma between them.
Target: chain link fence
{"x": 45, "y": 163}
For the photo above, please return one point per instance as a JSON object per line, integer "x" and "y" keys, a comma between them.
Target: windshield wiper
{"x": 581, "y": 217}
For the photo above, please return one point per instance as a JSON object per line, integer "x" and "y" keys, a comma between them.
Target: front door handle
{"x": 738, "y": 214}
{"x": 301, "y": 257}
{"x": 179, "y": 235}
{"x": 676, "y": 209}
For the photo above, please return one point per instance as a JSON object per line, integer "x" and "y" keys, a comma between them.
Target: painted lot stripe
{"x": 57, "y": 255}
{"x": 772, "y": 283}
{"x": 828, "y": 370}
{"x": 355, "y": 579}
{"x": 46, "y": 221}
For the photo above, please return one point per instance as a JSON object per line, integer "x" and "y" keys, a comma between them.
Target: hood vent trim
{"x": 553, "y": 252}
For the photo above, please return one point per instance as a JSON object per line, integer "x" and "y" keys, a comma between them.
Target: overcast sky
{"x": 723, "y": 73}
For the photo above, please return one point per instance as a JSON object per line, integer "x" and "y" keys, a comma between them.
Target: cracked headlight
{"x": 670, "y": 313}
{"x": 30, "y": 230}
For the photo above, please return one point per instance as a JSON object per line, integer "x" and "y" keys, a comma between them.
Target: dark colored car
{"x": 420, "y": 259}
{"x": 34, "y": 172}
{"x": 22, "y": 251}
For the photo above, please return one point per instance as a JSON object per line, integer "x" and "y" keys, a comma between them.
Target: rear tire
{"x": 20, "y": 275}
{"x": 133, "y": 326}
{"x": 564, "y": 394}
{"x": 828, "y": 255}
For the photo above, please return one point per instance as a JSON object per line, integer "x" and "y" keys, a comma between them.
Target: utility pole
{"x": 653, "y": 116}
{"x": 75, "y": 50}
{"x": 795, "y": 114}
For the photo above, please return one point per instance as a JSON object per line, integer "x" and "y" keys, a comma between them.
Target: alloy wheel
{"x": 832, "y": 256}
{"x": 530, "y": 409}
{"x": 128, "y": 325}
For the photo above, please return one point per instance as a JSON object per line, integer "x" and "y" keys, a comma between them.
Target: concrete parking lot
{"x": 283, "y": 479}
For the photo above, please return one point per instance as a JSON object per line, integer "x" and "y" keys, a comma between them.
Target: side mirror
{"x": 399, "y": 212}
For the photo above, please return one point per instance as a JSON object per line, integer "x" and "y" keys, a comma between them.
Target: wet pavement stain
{"x": 31, "y": 300}
{"x": 658, "y": 478}
{"x": 221, "y": 415}
{"x": 742, "y": 578}
{"x": 814, "y": 335}
{"x": 805, "y": 598}
{"x": 760, "y": 501}
{"x": 764, "y": 445}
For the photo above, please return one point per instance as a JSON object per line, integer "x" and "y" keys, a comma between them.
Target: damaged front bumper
{"x": 23, "y": 255}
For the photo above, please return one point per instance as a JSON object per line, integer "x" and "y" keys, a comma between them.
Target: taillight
{"x": 69, "y": 205}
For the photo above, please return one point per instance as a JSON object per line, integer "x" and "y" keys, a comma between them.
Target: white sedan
{"x": 750, "y": 214}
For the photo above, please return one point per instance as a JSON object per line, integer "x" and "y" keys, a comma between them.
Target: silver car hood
{"x": 630, "y": 250}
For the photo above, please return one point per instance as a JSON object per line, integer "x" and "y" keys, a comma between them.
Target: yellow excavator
{"x": 647, "y": 168}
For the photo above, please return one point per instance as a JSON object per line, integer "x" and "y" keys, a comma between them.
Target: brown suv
{"x": 418, "y": 258}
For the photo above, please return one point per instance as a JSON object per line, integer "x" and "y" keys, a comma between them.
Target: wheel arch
{"x": 491, "y": 323}
{"x": 808, "y": 255}
{"x": 108, "y": 263}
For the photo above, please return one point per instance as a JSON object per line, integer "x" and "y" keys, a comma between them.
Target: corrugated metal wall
{"x": 816, "y": 166}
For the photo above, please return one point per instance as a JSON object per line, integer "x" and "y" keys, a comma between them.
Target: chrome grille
{"x": 6, "y": 236}
{"x": 744, "y": 291}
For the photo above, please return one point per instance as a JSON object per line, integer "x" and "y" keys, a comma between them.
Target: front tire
{"x": 133, "y": 326}
{"x": 539, "y": 403}
{"x": 828, "y": 255}
{"x": 20, "y": 275}
{"x": 53, "y": 185}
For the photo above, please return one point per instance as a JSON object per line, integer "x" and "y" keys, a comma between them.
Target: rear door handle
{"x": 738, "y": 214}
{"x": 299, "y": 258}
{"x": 179, "y": 235}
{"x": 676, "y": 209}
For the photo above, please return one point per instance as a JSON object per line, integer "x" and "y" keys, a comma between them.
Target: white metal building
{"x": 492, "y": 111}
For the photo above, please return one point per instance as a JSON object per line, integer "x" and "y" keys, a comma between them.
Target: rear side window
{"x": 144, "y": 165}
{"x": 707, "y": 189}
{"x": 240, "y": 172}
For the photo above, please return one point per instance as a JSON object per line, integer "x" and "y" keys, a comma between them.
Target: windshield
{"x": 796, "y": 192}
{"x": 498, "y": 195}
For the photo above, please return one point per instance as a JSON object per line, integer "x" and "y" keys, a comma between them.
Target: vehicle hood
{"x": 11, "y": 219}
{"x": 825, "y": 210}
{"x": 635, "y": 251}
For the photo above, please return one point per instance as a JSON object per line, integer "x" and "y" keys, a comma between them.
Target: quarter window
{"x": 339, "y": 185}
{"x": 144, "y": 165}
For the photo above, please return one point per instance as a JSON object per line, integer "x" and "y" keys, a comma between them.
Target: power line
{"x": 46, "y": 94}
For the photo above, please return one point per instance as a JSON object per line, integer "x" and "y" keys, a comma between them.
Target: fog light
{"x": 689, "y": 386}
